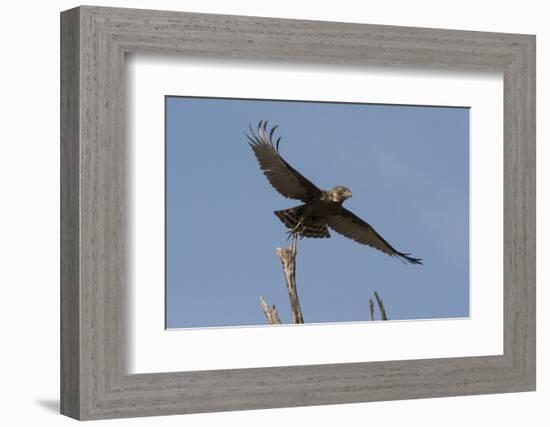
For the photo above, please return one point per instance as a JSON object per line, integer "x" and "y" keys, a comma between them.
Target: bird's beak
{"x": 349, "y": 194}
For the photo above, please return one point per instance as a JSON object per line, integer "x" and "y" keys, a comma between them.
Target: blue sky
{"x": 407, "y": 167}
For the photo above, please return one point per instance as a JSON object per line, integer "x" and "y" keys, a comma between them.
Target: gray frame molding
{"x": 94, "y": 41}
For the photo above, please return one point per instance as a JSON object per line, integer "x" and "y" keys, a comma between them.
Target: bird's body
{"x": 321, "y": 209}
{"x": 311, "y": 218}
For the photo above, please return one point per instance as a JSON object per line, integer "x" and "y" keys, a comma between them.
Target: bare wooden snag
{"x": 288, "y": 259}
{"x": 371, "y": 309}
{"x": 381, "y": 307}
{"x": 270, "y": 312}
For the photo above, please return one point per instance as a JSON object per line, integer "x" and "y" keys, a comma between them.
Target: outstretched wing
{"x": 353, "y": 227}
{"x": 283, "y": 177}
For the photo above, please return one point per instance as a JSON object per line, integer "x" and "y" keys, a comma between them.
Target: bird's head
{"x": 339, "y": 194}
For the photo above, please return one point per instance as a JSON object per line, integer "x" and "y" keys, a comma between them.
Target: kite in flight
{"x": 321, "y": 209}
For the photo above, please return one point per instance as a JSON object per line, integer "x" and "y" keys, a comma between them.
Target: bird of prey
{"x": 321, "y": 209}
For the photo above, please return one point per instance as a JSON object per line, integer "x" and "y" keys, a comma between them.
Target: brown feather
{"x": 291, "y": 217}
{"x": 283, "y": 177}
{"x": 351, "y": 226}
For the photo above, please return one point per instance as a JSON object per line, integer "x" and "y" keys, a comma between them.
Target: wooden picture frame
{"x": 94, "y": 382}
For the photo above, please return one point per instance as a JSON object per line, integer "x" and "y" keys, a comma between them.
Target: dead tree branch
{"x": 371, "y": 309}
{"x": 288, "y": 259}
{"x": 270, "y": 312}
{"x": 380, "y": 306}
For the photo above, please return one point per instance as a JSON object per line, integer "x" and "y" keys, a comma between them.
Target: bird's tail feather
{"x": 291, "y": 219}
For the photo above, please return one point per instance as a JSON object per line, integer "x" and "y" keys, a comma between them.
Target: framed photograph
{"x": 261, "y": 213}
